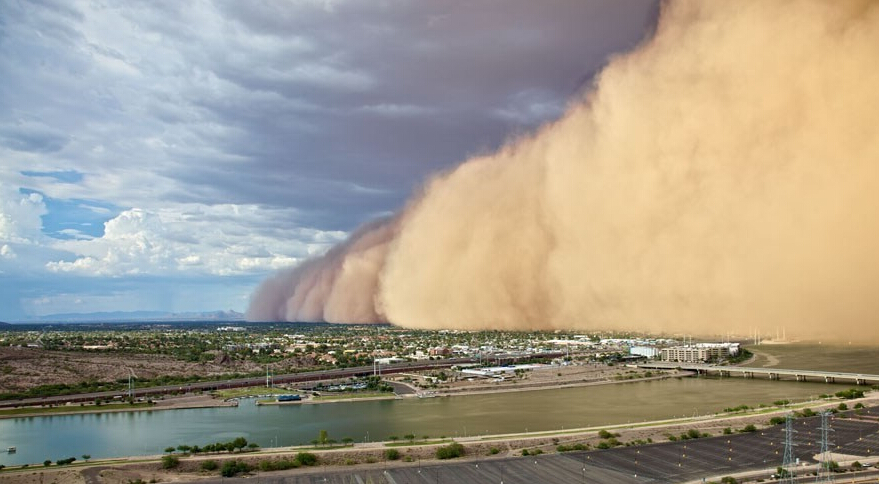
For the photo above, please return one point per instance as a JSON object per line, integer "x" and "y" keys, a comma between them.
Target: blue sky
{"x": 170, "y": 155}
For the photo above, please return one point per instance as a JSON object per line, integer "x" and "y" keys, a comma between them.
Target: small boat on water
{"x": 11, "y": 450}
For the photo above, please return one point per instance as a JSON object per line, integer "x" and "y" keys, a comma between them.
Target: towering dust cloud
{"x": 723, "y": 177}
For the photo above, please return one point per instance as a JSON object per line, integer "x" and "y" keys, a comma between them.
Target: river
{"x": 149, "y": 432}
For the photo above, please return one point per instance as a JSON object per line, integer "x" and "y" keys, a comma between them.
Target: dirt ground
{"x": 22, "y": 368}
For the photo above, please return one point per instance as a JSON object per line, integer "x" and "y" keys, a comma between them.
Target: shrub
{"x": 604, "y": 445}
{"x": 64, "y": 462}
{"x": 231, "y": 468}
{"x": 306, "y": 458}
{"x": 278, "y": 465}
{"x": 493, "y": 451}
{"x": 209, "y": 465}
{"x": 450, "y": 451}
{"x": 842, "y": 407}
{"x": 776, "y": 420}
{"x": 604, "y": 434}
{"x": 749, "y": 428}
{"x": 47, "y": 462}
{"x": 729, "y": 480}
{"x": 170, "y": 461}
{"x": 392, "y": 454}
{"x": 859, "y": 405}
{"x": 727, "y": 431}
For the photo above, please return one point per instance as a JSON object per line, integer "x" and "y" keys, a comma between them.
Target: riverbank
{"x": 167, "y": 403}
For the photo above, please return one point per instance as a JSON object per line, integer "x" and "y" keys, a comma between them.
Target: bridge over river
{"x": 771, "y": 373}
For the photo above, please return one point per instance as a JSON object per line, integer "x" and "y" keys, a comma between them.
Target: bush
{"x": 47, "y": 462}
{"x": 64, "y": 462}
{"x": 170, "y": 461}
{"x": 231, "y": 468}
{"x": 842, "y": 407}
{"x": 392, "y": 454}
{"x": 729, "y": 480}
{"x": 604, "y": 434}
{"x": 749, "y": 428}
{"x": 727, "y": 431}
{"x": 306, "y": 459}
{"x": 850, "y": 394}
{"x": 450, "y": 451}
{"x": 569, "y": 448}
{"x": 776, "y": 420}
{"x": 493, "y": 451}
{"x": 209, "y": 465}
{"x": 278, "y": 465}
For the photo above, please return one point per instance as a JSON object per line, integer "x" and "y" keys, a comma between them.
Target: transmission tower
{"x": 788, "y": 465}
{"x": 825, "y": 473}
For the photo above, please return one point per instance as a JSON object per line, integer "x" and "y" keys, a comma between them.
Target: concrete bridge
{"x": 771, "y": 373}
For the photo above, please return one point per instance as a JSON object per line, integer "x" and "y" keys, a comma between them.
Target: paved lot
{"x": 668, "y": 462}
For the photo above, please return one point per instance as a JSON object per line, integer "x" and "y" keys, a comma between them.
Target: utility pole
{"x": 825, "y": 473}
{"x": 788, "y": 465}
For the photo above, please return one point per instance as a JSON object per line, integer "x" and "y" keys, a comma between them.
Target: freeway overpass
{"x": 770, "y": 373}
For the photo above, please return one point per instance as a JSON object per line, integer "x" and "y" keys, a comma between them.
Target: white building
{"x": 645, "y": 351}
{"x": 700, "y": 352}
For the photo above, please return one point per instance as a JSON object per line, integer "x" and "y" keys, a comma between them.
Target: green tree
{"x": 392, "y": 454}
{"x": 409, "y": 437}
{"x": 86, "y": 457}
{"x": 239, "y": 443}
{"x": 322, "y": 437}
{"x": 169, "y": 449}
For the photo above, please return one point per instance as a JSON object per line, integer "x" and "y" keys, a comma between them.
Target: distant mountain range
{"x": 129, "y": 316}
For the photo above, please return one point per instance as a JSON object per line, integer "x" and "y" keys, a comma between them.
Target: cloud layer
{"x": 721, "y": 177}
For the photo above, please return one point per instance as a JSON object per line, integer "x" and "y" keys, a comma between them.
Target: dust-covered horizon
{"x": 722, "y": 177}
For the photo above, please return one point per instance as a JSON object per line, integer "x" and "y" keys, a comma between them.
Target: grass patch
{"x": 414, "y": 443}
{"x": 352, "y": 396}
{"x": 249, "y": 392}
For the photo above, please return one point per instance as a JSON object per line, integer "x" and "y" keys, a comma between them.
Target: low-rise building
{"x": 700, "y": 352}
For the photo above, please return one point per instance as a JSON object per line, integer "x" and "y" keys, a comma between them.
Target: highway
{"x": 771, "y": 373}
{"x": 309, "y": 376}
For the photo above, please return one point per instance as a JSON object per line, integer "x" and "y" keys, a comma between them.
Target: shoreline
{"x": 171, "y": 403}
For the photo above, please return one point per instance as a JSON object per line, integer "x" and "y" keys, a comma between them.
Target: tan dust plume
{"x": 722, "y": 177}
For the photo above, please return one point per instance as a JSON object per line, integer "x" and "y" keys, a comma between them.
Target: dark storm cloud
{"x": 352, "y": 105}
